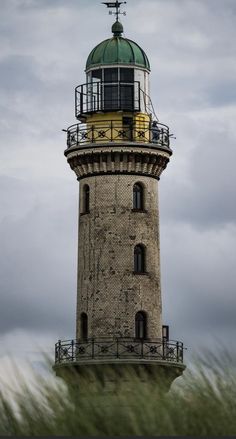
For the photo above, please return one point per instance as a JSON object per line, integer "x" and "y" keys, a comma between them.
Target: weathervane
{"x": 115, "y": 5}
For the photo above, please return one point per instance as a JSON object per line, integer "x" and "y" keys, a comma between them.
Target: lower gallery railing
{"x": 102, "y": 131}
{"x": 119, "y": 348}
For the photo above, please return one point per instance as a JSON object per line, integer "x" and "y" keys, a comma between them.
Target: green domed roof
{"x": 117, "y": 50}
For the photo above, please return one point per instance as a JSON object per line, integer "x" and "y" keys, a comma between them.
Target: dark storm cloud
{"x": 43, "y": 50}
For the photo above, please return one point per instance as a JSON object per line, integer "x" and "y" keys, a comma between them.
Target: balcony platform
{"x": 157, "y": 361}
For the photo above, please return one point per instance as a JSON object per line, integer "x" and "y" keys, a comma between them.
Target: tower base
{"x": 115, "y": 377}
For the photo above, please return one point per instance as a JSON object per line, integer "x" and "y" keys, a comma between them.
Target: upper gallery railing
{"x": 118, "y": 348}
{"x": 107, "y": 96}
{"x": 116, "y": 131}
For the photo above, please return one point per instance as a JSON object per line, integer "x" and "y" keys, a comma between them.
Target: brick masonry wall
{"x": 108, "y": 290}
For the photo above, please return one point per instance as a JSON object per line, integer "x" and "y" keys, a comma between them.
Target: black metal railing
{"x": 118, "y": 348}
{"x": 117, "y": 131}
{"x": 107, "y": 96}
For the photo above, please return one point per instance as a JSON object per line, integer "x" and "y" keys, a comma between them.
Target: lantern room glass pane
{"x": 127, "y": 75}
{"x": 111, "y": 97}
{"x": 111, "y": 75}
{"x": 127, "y": 97}
{"x": 97, "y": 75}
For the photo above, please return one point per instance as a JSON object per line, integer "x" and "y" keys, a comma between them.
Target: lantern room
{"x": 117, "y": 78}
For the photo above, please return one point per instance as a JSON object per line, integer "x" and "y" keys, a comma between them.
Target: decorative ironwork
{"x": 101, "y": 134}
{"x": 120, "y": 348}
{"x": 141, "y": 134}
{"x": 115, "y": 131}
{"x": 115, "y": 5}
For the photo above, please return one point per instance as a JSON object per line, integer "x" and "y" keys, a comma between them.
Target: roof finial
{"x": 115, "y": 5}
{"x": 117, "y": 29}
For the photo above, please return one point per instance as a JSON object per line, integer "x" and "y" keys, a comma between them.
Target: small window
{"x": 139, "y": 259}
{"x": 138, "y": 196}
{"x": 84, "y": 326}
{"x": 141, "y": 325}
{"x": 86, "y": 198}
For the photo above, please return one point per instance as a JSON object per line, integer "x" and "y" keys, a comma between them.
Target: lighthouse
{"x": 118, "y": 150}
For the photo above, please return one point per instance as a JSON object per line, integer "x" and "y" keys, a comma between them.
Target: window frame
{"x": 85, "y": 201}
{"x": 139, "y": 259}
{"x": 141, "y": 332}
{"x": 135, "y": 201}
{"x": 120, "y": 72}
{"x": 119, "y": 92}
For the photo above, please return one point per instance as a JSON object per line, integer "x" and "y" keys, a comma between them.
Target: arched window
{"x": 141, "y": 325}
{"x": 84, "y": 326}
{"x": 86, "y": 196}
{"x": 139, "y": 259}
{"x": 138, "y": 196}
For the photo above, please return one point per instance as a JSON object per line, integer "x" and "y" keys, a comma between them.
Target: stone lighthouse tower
{"x": 118, "y": 150}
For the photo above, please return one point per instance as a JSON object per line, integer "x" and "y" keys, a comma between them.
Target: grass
{"x": 201, "y": 403}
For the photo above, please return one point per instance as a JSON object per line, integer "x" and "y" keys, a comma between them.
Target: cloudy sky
{"x": 43, "y": 49}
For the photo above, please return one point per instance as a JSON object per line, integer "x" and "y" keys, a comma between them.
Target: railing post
{"x": 77, "y": 135}
{"x": 119, "y": 95}
{"x": 142, "y": 348}
{"x": 163, "y": 348}
{"x": 56, "y": 352}
{"x": 177, "y": 351}
{"x": 98, "y": 97}
{"x": 81, "y": 101}
{"x": 131, "y": 129}
{"x": 93, "y": 348}
{"x": 72, "y": 346}
{"x": 139, "y": 97}
{"x": 168, "y": 137}
{"x": 92, "y": 133}
{"x": 76, "y": 103}
{"x": 59, "y": 351}
{"x": 150, "y": 132}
